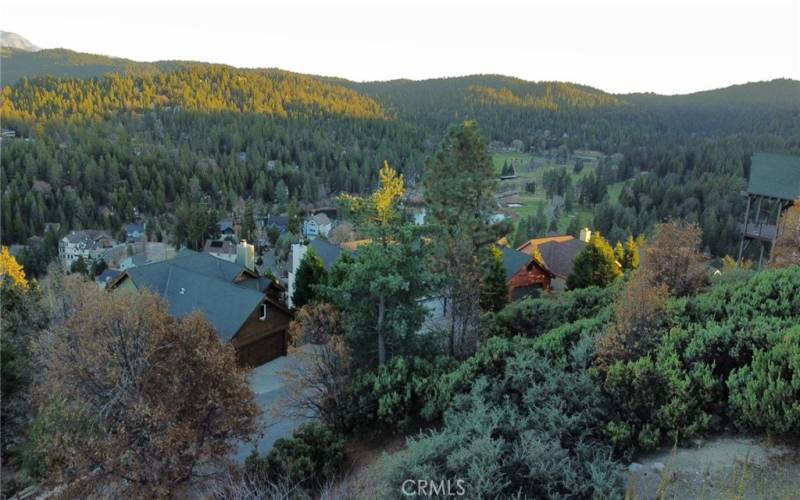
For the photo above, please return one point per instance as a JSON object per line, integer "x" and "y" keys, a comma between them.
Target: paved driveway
{"x": 270, "y": 386}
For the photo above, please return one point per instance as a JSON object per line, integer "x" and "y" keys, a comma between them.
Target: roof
{"x": 225, "y": 225}
{"x": 220, "y": 247}
{"x": 321, "y": 218}
{"x": 513, "y": 261}
{"x": 107, "y": 275}
{"x": 134, "y": 227}
{"x": 328, "y": 252}
{"x": 558, "y": 256}
{"x": 775, "y": 175}
{"x": 529, "y": 245}
{"x": 200, "y": 282}
{"x": 91, "y": 239}
{"x": 269, "y": 263}
{"x": 138, "y": 259}
{"x": 279, "y": 221}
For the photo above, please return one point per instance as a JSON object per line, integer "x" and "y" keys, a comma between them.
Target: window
{"x": 263, "y": 312}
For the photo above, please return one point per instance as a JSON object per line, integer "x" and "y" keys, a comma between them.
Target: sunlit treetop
{"x": 12, "y": 270}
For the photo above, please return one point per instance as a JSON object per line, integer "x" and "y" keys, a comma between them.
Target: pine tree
{"x": 378, "y": 291}
{"x": 494, "y": 291}
{"x": 310, "y": 272}
{"x": 459, "y": 190}
{"x": 596, "y": 265}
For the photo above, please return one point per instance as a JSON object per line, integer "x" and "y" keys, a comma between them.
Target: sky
{"x": 663, "y": 46}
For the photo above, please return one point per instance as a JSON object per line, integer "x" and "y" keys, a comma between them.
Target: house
{"x": 134, "y": 232}
{"x": 245, "y": 309}
{"x": 89, "y": 244}
{"x": 226, "y": 228}
{"x": 525, "y": 276}
{"x": 107, "y": 276}
{"x": 557, "y": 254}
{"x": 221, "y": 249}
{"x": 317, "y": 225}
{"x": 279, "y": 221}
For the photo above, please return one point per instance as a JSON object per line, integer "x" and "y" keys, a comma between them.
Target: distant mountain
{"x": 448, "y": 98}
{"x": 68, "y": 63}
{"x": 485, "y": 90}
{"x": 778, "y": 92}
{"x": 14, "y": 41}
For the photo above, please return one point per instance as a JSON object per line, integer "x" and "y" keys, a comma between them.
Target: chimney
{"x": 246, "y": 255}
{"x": 585, "y": 235}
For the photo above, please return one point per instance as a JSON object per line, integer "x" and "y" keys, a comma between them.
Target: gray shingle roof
{"x": 559, "y": 256}
{"x": 200, "y": 282}
{"x": 513, "y": 261}
{"x": 328, "y": 252}
{"x": 775, "y": 175}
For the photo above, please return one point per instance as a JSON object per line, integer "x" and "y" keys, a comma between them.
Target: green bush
{"x": 766, "y": 394}
{"x": 530, "y": 431}
{"x": 312, "y": 456}
{"x": 732, "y": 334}
{"x": 534, "y": 317}
{"x": 391, "y": 397}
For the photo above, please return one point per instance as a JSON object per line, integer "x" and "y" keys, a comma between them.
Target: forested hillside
{"x": 152, "y": 136}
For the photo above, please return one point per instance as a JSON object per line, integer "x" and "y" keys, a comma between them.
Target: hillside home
{"x": 90, "y": 244}
{"x": 221, "y": 249}
{"x": 525, "y": 276}
{"x": 226, "y": 227}
{"x": 317, "y": 225}
{"x": 557, "y": 254}
{"x": 134, "y": 233}
{"x": 245, "y": 309}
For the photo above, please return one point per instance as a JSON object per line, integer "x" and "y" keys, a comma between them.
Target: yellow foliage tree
{"x": 11, "y": 269}
{"x": 388, "y": 195}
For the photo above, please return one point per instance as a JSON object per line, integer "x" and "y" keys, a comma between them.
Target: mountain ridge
{"x": 12, "y": 40}
{"x": 487, "y": 89}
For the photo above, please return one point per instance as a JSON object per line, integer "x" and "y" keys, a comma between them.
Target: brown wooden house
{"x": 524, "y": 275}
{"x": 246, "y": 309}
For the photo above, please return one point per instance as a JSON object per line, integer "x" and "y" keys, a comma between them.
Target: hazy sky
{"x": 665, "y": 46}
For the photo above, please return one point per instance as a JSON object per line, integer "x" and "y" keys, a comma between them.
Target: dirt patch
{"x": 722, "y": 467}
{"x": 366, "y": 463}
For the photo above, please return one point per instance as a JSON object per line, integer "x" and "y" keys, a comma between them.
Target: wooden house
{"x": 245, "y": 309}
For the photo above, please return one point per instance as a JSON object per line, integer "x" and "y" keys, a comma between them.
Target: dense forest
{"x": 102, "y": 137}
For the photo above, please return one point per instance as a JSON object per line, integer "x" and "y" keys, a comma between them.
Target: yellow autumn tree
{"x": 388, "y": 195}
{"x": 12, "y": 270}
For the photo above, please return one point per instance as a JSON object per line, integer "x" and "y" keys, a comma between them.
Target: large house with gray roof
{"x": 89, "y": 245}
{"x": 246, "y": 309}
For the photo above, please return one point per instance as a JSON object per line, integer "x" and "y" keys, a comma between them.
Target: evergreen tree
{"x": 494, "y": 291}
{"x": 596, "y": 265}
{"x": 459, "y": 190}
{"x": 378, "y": 291}
{"x": 310, "y": 272}
{"x": 79, "y": 266}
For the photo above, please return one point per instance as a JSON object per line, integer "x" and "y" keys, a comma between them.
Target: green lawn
{"x": 530, "y": 202}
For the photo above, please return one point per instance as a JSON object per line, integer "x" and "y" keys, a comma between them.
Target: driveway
{"x": 270, "y": 387}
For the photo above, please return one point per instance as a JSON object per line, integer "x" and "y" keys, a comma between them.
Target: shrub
{"x": 530, "y": 431}
{"x": 732, "y": 334}
{"x": 639, "y": 317}
{"x": 391, "y": 397}
{"x": 312, "y": 456}
{"x": 534, "y": 317}
{"x": 766, "y": 394}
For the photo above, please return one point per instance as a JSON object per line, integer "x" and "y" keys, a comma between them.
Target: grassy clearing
{"x": 530, "y": 202}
